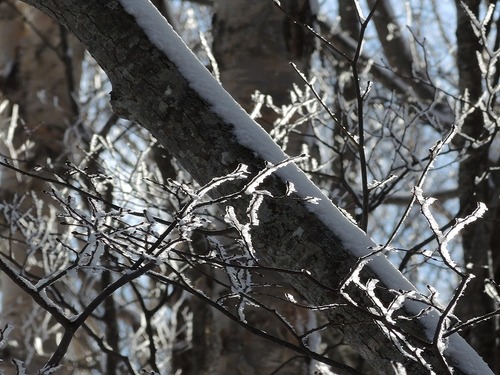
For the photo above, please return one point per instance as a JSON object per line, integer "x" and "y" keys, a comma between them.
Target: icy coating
{"x": 253, "y": 136}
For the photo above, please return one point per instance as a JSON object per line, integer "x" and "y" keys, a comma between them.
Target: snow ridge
{"x": 254, "y": 137}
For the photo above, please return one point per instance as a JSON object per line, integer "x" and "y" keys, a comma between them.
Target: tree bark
{"x": 254, "y": 44}
{"x": 252, "y": 35}
{"x": 207, "y": 146}
{"x": 481, "y": 250}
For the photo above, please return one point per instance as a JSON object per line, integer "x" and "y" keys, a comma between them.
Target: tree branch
{"x": 151, "y": 89}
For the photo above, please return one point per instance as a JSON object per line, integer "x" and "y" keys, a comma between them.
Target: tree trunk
{"x": 480, "y": 248}
{"x": 200, "y": 124}
{"x": 254, "y": 44}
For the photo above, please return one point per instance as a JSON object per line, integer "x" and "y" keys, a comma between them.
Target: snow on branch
{"x": 158, "y": 82}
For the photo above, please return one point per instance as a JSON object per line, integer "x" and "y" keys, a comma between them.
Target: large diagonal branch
{"x": 164, "y": 88}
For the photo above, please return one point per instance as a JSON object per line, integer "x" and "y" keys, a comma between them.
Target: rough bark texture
{"x": 480, "y": 247}
{"x": 271, "y": 42}
{"x": 254, "y": 43}
{"x": 187, "y": 127}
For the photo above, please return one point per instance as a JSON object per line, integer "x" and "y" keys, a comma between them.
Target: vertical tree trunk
{"x": 477, "y": 240}
{"x": 254, "y": 43}
{"x": 191, "y": 127}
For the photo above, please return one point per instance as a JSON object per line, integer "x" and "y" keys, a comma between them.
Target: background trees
{"x": 119, "y": 207}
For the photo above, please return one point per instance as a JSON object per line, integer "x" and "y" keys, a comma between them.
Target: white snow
{"x": 252, "y": 136}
